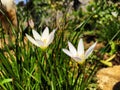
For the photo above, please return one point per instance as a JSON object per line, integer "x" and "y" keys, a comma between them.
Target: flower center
{"x": 44, "y": 40}
{"x": 82, "y": 56}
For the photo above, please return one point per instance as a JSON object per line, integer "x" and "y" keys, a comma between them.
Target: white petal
{"x": 80, "y": 47}
{"x": 77, "y": 59}
{"x": 36, "y": 35}
{"x": 67, "y": 52}
{"x": 90, "y": 50}
{"x": 32, "y": 40}
{"x": 72, "y": 48}
{"x": 51, "y": 37}
{"x": 45, "y": 33}
{"x": 40, "y": 42}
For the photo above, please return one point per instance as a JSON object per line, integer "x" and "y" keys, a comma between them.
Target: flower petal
{"x": 40, "y": 42}
{"x": 90, "y": 50}
{"x": 77, "y": 59}
{"x": 67, "y": 52}
{"x": 72, "y": 48}
{"x": 32, "y": 40}
{"x": 80, "y": 47}
{"x": 51, "y": 37}
{"x": 45, "y": 33}
{"x": 36, "y": 35}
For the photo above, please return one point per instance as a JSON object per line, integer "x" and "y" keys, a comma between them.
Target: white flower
{"x": 43, "y": 40}
{"x": 79, "y": 55}
{"x": 115, "y": 14}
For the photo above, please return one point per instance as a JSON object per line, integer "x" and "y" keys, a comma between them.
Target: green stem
{"x": 91, "y": 75}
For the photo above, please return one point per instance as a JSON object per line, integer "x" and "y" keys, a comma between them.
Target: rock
{"x": 109, "y": 78}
